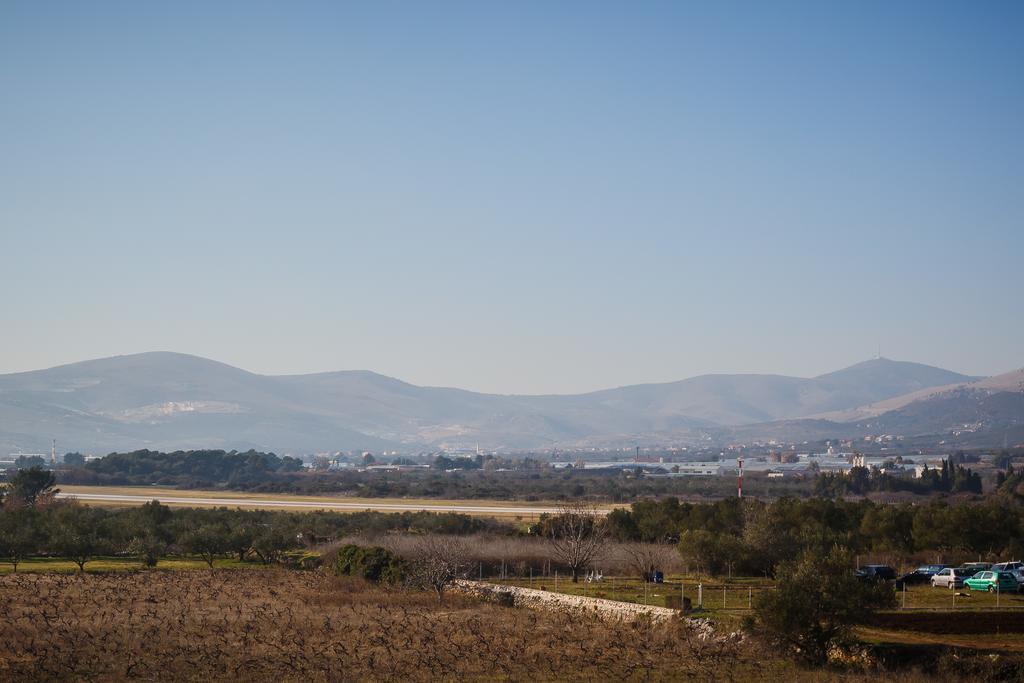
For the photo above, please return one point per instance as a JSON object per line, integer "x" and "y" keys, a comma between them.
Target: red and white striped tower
{"x": 739, "y": 481}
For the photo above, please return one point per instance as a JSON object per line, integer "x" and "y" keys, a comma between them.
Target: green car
{"x": 986, "y": 581}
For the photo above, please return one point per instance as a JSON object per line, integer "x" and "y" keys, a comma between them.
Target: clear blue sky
{"x": 514, "y": 197}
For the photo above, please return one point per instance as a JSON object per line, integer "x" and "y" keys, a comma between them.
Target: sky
{"x": 522, "y": 197}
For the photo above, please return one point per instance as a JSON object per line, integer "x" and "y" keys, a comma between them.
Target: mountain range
{"x": 167, "y": 400}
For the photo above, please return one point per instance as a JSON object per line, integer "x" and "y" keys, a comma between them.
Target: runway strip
{"x": 307, "y": 505}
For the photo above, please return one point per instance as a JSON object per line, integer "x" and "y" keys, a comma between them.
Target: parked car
{"x": 920, "y": 575}
{"x": 988, "y": 581}
{"x": 933, "y": 569}
{"x": 975, "y": 567}
{"x": 1015, "y": 568}
{"x": 876, "y": 572}
{"x": 951, "y": 577}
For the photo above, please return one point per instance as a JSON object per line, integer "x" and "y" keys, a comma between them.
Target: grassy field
{"x": 734, "y": 595}
{"x": 727, "y": 603}
{"x": 995, "y": 642}
{"x": 737, "y": 594}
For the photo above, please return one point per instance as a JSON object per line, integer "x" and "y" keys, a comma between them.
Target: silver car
{"x": 950, "y": 577}
{"x": 1015, "y": 568}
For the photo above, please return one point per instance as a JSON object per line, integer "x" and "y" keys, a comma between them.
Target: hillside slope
{"x": 169, "y": 400}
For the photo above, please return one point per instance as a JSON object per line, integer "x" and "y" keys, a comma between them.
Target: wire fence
{"x": 674, "y": 593}
{"x": 741, "y": 594}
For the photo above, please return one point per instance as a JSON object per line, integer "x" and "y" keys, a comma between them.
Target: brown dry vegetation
{"x": 278, "y": 624}
{"x": 516, "y": 555}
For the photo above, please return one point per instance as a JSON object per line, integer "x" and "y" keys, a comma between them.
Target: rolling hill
{"x": 987, "y": 412}
{"x": 168, "y": 400}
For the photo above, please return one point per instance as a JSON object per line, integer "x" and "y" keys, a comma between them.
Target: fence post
{"x": 700, "y": 595}
{"x": 904, "y": 605}
{"x": 750, "y": 597}
{"x": 723, "y": 597}
{"x": 556, "y": 580}
{"x": 481, "y": 565}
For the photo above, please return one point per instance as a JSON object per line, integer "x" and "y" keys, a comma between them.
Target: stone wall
{"x": 599, "y": 607}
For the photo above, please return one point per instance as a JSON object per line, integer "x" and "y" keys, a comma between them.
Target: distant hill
{"x": 1007, "y": 382}
{"x": 984, "y": 412}
{"x": 169, "y": 400}
{"x": 745, "y": 399}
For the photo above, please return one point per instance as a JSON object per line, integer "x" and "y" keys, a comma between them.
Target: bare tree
{"x": 577, "y": 536}
{"x": 437, "y": 561}
{"x": 646, "y": 558}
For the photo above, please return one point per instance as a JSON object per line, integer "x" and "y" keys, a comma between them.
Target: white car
{"x": 950, "y": 577}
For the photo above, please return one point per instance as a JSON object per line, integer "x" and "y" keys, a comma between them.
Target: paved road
{"x": 307, "y": 504}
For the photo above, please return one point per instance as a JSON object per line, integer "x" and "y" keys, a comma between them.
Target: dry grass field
{"x": 501, "y": 509}
{"x": 286, "y": 625}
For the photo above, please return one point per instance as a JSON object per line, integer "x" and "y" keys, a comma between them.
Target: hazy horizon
{"x": 513, "y": 199}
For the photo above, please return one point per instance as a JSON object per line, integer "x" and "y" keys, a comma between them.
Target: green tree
{"x": 148, "y": 546}
{"x": 621, "y": 525}
{"x": 209, "y": 541}
{"x": 74, "y": 459}
{"x": 888, "y": 528}
{"x": 241, "y": 537}
{"x": 20, "y": 535}
{"x": 772, "y": 533}
{"x": 77, "y": 533}
{"x": 272, "y": 541}
{"x": 31, "y": 486}
{"x": 815, "y": 604}
{"x": 25, "y": 462}
{"x": 371, "y": 563}
{"x": 709, "y": 551}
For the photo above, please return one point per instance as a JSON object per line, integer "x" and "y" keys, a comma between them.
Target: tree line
{"x": 951, "y": 477}
{"x": 33, "y": 523}
{"x": 753, "y": 537}
{"x": 189, "y": 469}
{"x": 475, "y": 478}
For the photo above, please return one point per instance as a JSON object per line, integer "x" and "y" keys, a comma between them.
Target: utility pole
{"x": 53, "y": 454}
{"x": 739, "y": 481}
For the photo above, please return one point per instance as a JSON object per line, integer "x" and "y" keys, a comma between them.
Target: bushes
{"x": 371, "y": 563}
{"x": 815, "y": 604}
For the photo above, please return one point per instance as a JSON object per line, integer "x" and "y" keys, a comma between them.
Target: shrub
{"x": 371, "y": 563}
{"x": 817, "y": 600}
